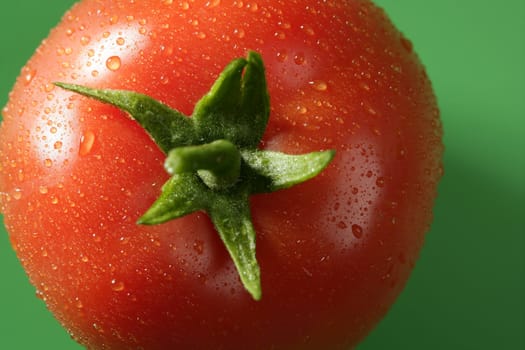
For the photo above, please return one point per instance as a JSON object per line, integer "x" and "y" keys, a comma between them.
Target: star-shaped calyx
{"x": 213, "y": 156}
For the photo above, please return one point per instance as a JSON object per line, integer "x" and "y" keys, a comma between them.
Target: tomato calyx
{"x": 214, "y": 158}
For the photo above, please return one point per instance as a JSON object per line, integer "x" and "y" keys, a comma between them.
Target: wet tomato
{"x": 333, "y": 252}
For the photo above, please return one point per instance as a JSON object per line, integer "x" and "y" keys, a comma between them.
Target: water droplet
{"x": 302, "y": 109}
{"x": 54, "y": 200}
{"x": 213, "y": 3}
{"x": 299, "y": 59}
{"x": 48, "y": 163}
{"x": 371, "y": 111}
{"x": 402, "y": 154}
{"x": 396, "y": 68}
{"x": 201, "y": 277}
{"x": 57, "y": 145}
{"x": 17, "y": 194}
{"x": 284, "y": 25}
{"x": 49, "y": 87}
{"x": 164, "y": 80}
{"x": 78, "y": 304}
{"x": 86, "y": 143}
{"x": 198, "y": 246}
{"x": 319, "y": 85}
{"x": 43, "y": 189}
{"x": 308, "y": 30}
{"x": 282, "y": 56}
{"x": 280, "y": 35}
{"x": 40, "y": 295}
{"x": 84, "y": 40}
{"x": 121, "y": 41}
{"x": 240, "y": 33}
{"x": 380, "y": 182}
{"x": 28, "y": 75}
{"x": 342, "y": 225}
{"x": 98, "y": 328}
{"x": 357, "y": 231}
{"x": 185, "y": 5}
{"x": 364, "y": 86}
{"x": 117, "y": 286}
{"x": 113, "y": 63}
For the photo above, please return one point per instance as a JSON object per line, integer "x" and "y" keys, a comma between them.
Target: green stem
{"x": 218, "y": 163}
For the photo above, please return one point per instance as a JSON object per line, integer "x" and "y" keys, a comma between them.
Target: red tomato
{"x": 334, "y": 252}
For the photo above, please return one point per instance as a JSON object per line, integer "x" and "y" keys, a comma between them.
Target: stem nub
{"x": 218, "y": 163}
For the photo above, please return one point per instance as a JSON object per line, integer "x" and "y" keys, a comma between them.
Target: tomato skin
{"x": 334, "y": 252}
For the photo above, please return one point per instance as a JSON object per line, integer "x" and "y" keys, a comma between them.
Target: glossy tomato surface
{"x": 75, "y": 175}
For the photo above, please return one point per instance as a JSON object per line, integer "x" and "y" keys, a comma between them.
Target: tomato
{"x": 334, "y": 252}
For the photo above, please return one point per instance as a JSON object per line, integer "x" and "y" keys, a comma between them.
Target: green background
{"x": 468, "y": 289}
